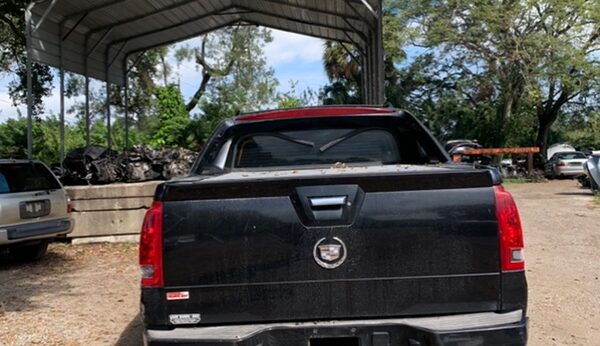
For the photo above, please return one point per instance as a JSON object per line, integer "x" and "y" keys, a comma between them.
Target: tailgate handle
{"x": 325, "y": 202}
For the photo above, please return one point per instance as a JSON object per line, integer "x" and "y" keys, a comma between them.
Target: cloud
{"x": 51, "y": 104}
{"x": 293, "y": 48}
{"x": 7, "y": 110}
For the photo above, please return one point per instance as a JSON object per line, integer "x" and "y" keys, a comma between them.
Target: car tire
{"x": 32, "y": 252}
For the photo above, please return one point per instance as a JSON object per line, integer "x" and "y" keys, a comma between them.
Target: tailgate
{"x": 329, "y": 247}
{"x": 30, "y": 207}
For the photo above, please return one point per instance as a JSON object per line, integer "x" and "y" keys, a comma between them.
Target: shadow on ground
{"x": 21, "y": 283}
{"x": 582, "y": 193}
{"x": 132, "y": 335}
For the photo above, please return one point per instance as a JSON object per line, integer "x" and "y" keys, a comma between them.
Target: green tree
{"x": 13, "y": 57}
{"x": 173, "y": 118}
{"x": 526, "y": 53}
{"x": 341, "y": 61}
{"x": 294, "y": 99}
{"x": 232, "y": 60}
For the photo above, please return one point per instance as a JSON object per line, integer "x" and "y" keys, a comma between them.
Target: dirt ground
{"x": 88, "y": 294}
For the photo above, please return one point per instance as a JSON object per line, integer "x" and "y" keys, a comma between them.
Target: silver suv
{"x": 34, "y": 208}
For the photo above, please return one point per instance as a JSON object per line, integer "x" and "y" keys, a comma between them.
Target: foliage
{"x": 342, "y": 65}
{"x": 536, "y": 52}
{"x": 580, "y": 129}
{"x": 13, "y": 57}
{"x": 173, "y": 118}
{"x": 235, "y": 77}
{"x": 232, "y": 62}
{"x": 500, "y": 71}
{"x": 294, "y": 99}
{"x": 13, "y": 137}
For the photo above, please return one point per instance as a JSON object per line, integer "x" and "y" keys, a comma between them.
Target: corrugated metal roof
{"x": 108, "y": 31}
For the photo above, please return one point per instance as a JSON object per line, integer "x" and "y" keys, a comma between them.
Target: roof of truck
{"x": 320, "y": 111}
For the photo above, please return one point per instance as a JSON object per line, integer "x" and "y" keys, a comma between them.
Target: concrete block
{"x": 111, "y": 203}
{"x": 109, "y": 222}
{"x": 145, "y": 189}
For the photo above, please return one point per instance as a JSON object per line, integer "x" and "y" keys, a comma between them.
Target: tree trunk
{"x": 548, "y": 114}
{"x": 165, "y": 69}
{"x": 198, "y": 94}
{"x": 541, "y": 140}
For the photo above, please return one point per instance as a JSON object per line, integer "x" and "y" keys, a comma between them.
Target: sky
{"x": 293, "y": 57}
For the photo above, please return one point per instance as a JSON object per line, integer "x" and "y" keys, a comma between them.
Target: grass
{"x": 597, "y": 198}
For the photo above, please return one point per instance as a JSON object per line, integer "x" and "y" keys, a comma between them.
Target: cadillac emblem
{"x": 330, "y": 253}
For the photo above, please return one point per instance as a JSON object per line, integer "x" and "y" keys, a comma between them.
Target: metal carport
{"x": 102, "y": 39}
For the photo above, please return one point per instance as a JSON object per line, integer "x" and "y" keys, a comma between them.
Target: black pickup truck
{"x": 332, "y": 226}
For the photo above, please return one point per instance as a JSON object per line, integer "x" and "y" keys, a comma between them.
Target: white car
{"x": 565, "y": 164}
{"x": 34, "y": 208}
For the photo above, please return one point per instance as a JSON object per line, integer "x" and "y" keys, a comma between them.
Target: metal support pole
{"x": 87, "y": 108}
{"x": 368, "y": 71}
{"x": 107, "y": 77}
{"x": 87, "y": 95}
{"x": 44, "y": 15}
{"x": 364, "y": 80}
{"x": 378, "y": 59}
{"x": 28, "y": 24}
{"x": 62, "y": 98}
{"x": 89, "y": 52}
{"x": 126, "y": 92}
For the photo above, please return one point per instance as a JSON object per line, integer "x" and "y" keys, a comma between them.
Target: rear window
{"x": 317, "y": 147}
{"x": 570, "y": 156}
{"x": 24, "y": 177}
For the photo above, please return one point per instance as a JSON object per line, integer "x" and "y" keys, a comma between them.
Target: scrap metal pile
{"x": 99, "y": 165}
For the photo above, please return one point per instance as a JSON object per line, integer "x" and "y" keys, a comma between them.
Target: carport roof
{"x": 99, "y": 35}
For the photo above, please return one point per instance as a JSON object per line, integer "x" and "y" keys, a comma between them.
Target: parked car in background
{"x": 34, "y": 208}
{"x": 565, "y": 164}
{"x": 591, "y": 169}
{"x": 559, "y": 148}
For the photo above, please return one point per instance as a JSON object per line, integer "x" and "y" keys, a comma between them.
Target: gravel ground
{"x": 562, "y": 257}
{"x": 88, "y": 294}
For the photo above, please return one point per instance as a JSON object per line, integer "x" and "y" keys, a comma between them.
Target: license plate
{"x": 32, "y": 209}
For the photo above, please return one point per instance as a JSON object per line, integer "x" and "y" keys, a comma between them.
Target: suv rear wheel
{"x": 30, "y": 252}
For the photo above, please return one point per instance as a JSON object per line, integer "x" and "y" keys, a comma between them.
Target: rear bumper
{"x": 467, "y": 329}
{"x": 569, "y": 171}
{"x": 35, "y": 230}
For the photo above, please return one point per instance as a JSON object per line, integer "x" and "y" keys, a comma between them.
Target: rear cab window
{"x": 320, "y": 143}
{"x": 317, "y": 147}
{"x": 26, "y": 177}
{"x": 570, "y": 156}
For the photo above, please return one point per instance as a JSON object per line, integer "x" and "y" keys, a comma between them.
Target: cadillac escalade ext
{"x": 332, "y": 226}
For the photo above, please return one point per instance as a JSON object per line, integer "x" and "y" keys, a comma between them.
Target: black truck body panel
{"x": 248, "y": 259}
{"x": 416, "y": 241}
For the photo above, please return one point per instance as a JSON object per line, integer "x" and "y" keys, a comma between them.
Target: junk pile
{"x": 471, "y": 151}
{"x": 100, "y": 165}
{"x": 458, "y": 146}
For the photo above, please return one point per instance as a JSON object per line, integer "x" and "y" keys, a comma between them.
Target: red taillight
{"x": 560, "y": 164}
{"x": 510, "y": 233}
{"x": 151, "y": 247}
